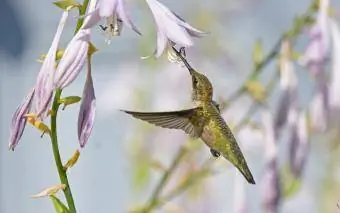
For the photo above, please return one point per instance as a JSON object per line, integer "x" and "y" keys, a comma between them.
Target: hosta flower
{"x": 334, "y": 88}
{"x": 73, "y": 59}
{"x": 318, "y": 46}
{"x": 110, "y": 8}
{"x": 171, "y": 28}
{"x": 270, "y": 181}
{"x": 44, "y": 85}
{"x": 319, "y": 110}
{"x": 19, "y": 120}
{"x": 288, "y": 102}
{"x": 87, "y": 110}
{"x": 299, "y": 145}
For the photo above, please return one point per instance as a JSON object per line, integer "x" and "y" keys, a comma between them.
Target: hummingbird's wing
{"x": 183, "y": 119}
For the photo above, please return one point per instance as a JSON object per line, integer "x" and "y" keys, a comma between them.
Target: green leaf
{"x": 69, "y": 100}
{"x": 64, "y": 4}
{"x": 292, "y": 185}
{"x": 58, "y": 205}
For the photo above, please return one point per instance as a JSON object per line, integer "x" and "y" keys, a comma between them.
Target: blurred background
{"x": 112, "y": 174}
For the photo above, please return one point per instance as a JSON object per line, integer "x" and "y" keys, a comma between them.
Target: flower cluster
{"x": 53, "y": 75}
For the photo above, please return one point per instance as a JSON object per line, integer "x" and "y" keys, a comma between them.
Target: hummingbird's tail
{"x": 246, "y": 173}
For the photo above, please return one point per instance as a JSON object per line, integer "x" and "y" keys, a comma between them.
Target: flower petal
{"x": 171, "y": 27}
{"x": 73, "y": 59}
{"x": 44, "y": 85}
{"x": 271, "y": 179}
{"x": 124, "y": 15}
{"x": 299, "y": 146}
{"x": 87, "y": 110}
{"x": 334, "y": 89}
{"x": 19, "y": 121}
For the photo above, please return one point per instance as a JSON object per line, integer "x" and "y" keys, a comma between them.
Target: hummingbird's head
{"x": 202, "y": 88}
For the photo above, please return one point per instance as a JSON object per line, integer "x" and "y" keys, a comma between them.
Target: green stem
{"x": 82, "y": 11}
{"x": 155, "y": 195}
{"x": 56, "y": 153}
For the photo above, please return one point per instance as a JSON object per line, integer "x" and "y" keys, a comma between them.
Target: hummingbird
{"x": 203, "y": 121}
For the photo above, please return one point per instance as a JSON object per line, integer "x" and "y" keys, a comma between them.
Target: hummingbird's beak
{"x": 183, "y": 60}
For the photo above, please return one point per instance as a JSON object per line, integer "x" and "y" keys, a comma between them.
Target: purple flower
{"x": 87, "y": 110}
{"x": 319, "y": 108}
{"x": 288, "y": 102}
{"x": 318, "y": 46}
{"x": 271, "y": 180}
{"x": 299, "y": 145}
{"x": 171, "y": 28}
{"x": 107, "y": 9}
{"x": 44, "y": 85}
{"x": 19, "y": 121}
{"x": 334, "y": 88}
{"x": 73, "y": 59}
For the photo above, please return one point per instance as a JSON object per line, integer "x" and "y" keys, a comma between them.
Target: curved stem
{"x": 56, "y": 153}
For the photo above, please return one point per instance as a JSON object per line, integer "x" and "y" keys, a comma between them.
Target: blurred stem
{"x": 154, "y": 199}
{"x": 255, "y": 105}
{"x": 56, "y": 153}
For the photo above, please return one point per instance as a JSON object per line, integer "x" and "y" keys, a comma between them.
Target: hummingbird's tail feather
{"x": 247, "y": 174}
{"x": 183, "y": 59}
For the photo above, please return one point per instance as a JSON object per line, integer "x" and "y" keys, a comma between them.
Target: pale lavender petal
{"x": 73, "y": 59}
{"x": 19, "y": 121}
{"x": 299, "y": 145}
{"x": 271, "y": 180}
{"x": 334, "y": 88}
{"x": 107, "y": 7}
{"x": 161, "y": 44}
{"x": 87, "y": 111}
{"x": 44, "y": 85}
{"x": 240, "y": 201}
{"x": 319, "y": 114}
{"x": 124, "y": 15}
{"x": 91, "y": 19}
{"x": 288, "y": 102}
{"x": 171, "y": 26}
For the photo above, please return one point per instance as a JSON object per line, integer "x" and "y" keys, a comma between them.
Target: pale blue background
{"x": 100, "y": 180}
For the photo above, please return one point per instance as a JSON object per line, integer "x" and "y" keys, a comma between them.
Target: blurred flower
{"x": 271, "y": 180}
{"x": 107, "y": 9}
{"x": 319, "y": 111}
{"x": 87, "y": 110}
{"x": 299, "y": 146}
{"x": 334, "y": 88}
{"x": 44, "y": 85}
{"x": 19, "y": 121}
{"x": 73, "y": 59}
{"x": 171, "y": 28}
{"x": 317, "y": 48}
{"x": 288, "y": 102}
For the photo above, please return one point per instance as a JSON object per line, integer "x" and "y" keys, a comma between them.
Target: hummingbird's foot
{"x": 215, "y": 153}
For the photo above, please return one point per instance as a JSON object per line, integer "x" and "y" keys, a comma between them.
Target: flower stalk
{"x": 56, "y": 153}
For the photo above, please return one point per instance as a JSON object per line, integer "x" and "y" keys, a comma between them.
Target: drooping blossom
{"x": 270, "y": 183}
{"x": 108, "y": 9}
{"x": 334, "y": 88}
{"x": 73, "y": 59}
{"x": 314, "y": 58}
{"x": 319, "y": 36}
{"x": 87, "y": 109}
{"x": 171, "y": 28}
{"x": 44, "y": 85}
{"x": 299, "y": 144}
{"x": 288, "y": 102}
{"x": 19, "y": 121}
